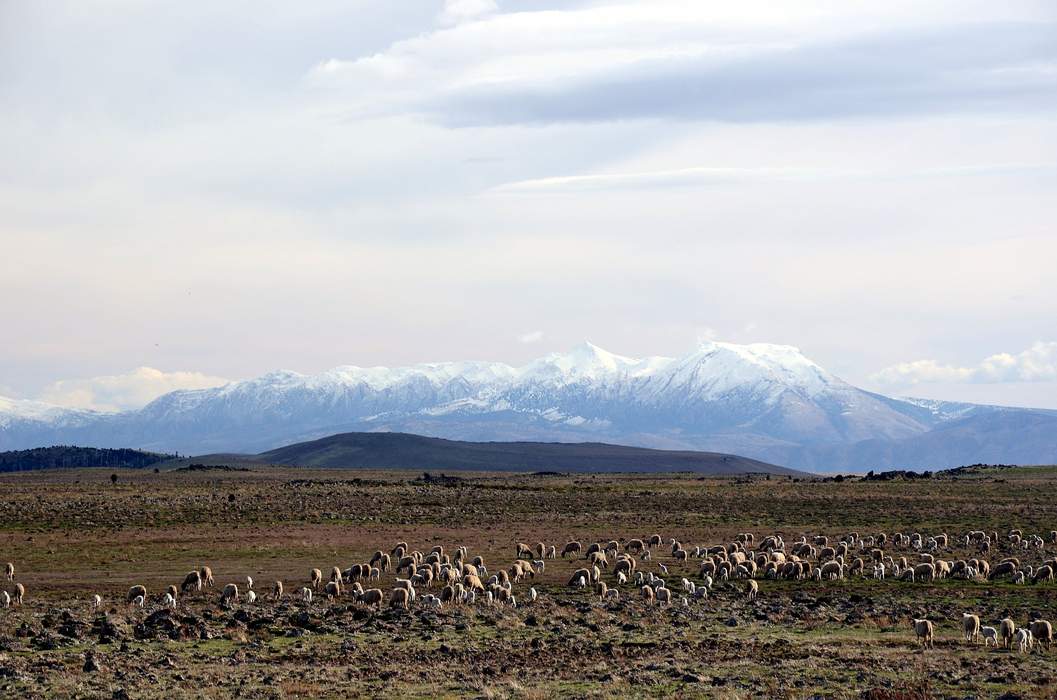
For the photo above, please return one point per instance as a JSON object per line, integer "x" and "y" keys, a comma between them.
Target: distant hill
{"x": 405, "y": 451}
{"x": 67, "y": 457}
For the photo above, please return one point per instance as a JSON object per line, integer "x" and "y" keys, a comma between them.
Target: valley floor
{"x": 72, "y": 534}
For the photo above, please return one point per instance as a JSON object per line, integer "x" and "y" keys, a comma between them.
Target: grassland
{"x": 74, "y": 533}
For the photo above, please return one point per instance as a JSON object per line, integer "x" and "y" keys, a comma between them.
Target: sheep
{"x": 600, "y": 590}
{"x": 230, "y": 594}
{"x": 207, "y": 576}
{"x": 621, "y": 578}
{"x": 648, "y": 594}
{"x": 1044, "y": 573}
{"x": 372, "y": 596}
{"x": 571, "y": 548}
{"x": 540, "y": 564}
{"x": 752, "y": 589}
{"x": 879, "y": 572}
{"x": 97, "y": 601}
{"x": 989, "y": 635}
{"x": 579, "y": 574}
{"x": 523, "y": 551}
{"x": 1006, "y": 630}
{"x": 613, "y": 593}
{"x": 1042, "y": 631}
{"x": 134, "y": 592}
{"x": 664, "y": 596}
{"x": 168, "y": 601}
{"x": 138, "y": 602}
{"x": 192, "y": 581}
{"x": 5, "y": 599}
{"x": 923, "y": 630}
{"x": 277, "y": 590}
{"x": 925, "y": 572}
{"x": 1024, "y": 640}
{"x": 971, "y": 627}
{"x": 315, "y": 577}
{"x": 20, "y": 594}
{"x": 533, "y": 595}
{"x": 306, "y": 595}
{"x": 400, "y": 598}
{"x": 249, "y": 583}
{"x": 552, "y": 553}
{"x": 9, "y": 571}
{"x": 335, "y": 574}
{"x": 251, "y": 597}
{"x": 634, "y": 546}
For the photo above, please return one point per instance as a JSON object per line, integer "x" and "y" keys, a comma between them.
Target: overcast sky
{"x": 199, "y": 191}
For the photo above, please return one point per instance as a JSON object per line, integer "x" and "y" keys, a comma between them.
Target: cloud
{"x": 124, "y": 391}
{"x": 1036, "y": 364}
{"x": 530, "y": 337}
{"x": 705, "y": 61}
{"x": 456, "y": 11}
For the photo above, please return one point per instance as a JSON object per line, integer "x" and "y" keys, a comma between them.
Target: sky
{"x": 198, "y": 192}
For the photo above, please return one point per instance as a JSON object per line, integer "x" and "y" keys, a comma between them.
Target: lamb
{"x": 5, "y": 599}
{"x": 533, "y": 595}
{"x": 540, "y": 564}
{"x": 1006, "y": 630}
{"x": 207, "y": 576}
{"x": 1024, "y": 640}
{"x": 648, "y": 594}
{"x": 230, "y": 594}
{"x": 1042, "y": 631}
{"x": 9, "y": 571}
{"x": 97, "y": 601}
{"x": 989, "y": 635}
{"x": 752, "y": 589}
{"x": 315, "y": 576}
{"x": 923, "y": 630}
{"x": 613, "y": 593}
{"x": 134, "y": 592}
{"x": 600, "y": 590}
{"x": 251, "y": 596}
{"x": 335, "y": 574}
{"x": 332, "y": 589}
{"x": 192, "y": 581}
{"x": 20, "y": 594}
{"x": 306, "y": 595}
{"x": 664, "y": 596}
{"x": 971, "y": 627}
{"x": 168, "y": 601}
{"x": 552, "y": 553}
{"x": 138, "y": 602}
{"x": 277, "y": 590}
{"x": 579, "y": 574}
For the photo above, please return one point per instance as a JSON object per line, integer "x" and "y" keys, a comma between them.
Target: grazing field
{"x": 75, "y": 533}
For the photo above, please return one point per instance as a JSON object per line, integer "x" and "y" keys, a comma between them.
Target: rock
{"x": 731, "y": 622}
{"x": 90, "y": 664}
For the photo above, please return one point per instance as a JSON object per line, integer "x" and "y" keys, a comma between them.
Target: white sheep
{"x": 581, "y": 582}
{"x": 5, "y": 599}
{"x": 306, "y": 595}
{"x": 249, "y": 583}
{"x": 533, "y": 595}
{"x": 168, "y": 601}
{"x": 138, "y": 601}
{"x": 1024, "y": 640}
{"x": 230, "y": 594}
{"x": 251, "y": 596}
{"x": 879, "y": 572}
{"x": 990, "y": 635}
{"x": 540, "y": 565}
{"x": 663, "y": 568}
{"x": 663, "y": 595}
{"x": 97, "y": 601}
{"x": 621, "y": 578}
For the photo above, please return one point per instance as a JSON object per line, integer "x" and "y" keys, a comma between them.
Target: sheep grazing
{"x": 230, "y": 594}
{"x": 315, "y": 577}
{"x": 664, "y": 596}
{"x": 135, "y": 592}
{"x": 372, "y": 596}
{"x": 1006, "y": 630}
{"x": 533, "y": 595}
{"x": 923, "y": 630}
{"x": 192, "y": 581}
{"x": 971, "y": 627}
{"x": 575, "y": 579}
{"x": 989, "y": 635}
{"x": 306, "y": 595}
{"x": 335, "y": 574}
{"x": 251, "y": 597}
{"x": 9, "y": 571}
{"x": 752, "y": 589}
{"x": 249, "y": 583}
{"x": 5, "y": 599}
{"x": 97, "y": 601}
{"x": 400, "y": 598}
{"x": 332, "y": 589}
{"x": 277, "y": 590}
{"x": 647, "y": 594}
{"x": 601, "y": 589}
{"x": 1042, "y": 631}
{"x": 207, "y": 576}
{"x": 138, "y": 602}
{"x": 523, "y": 551}
{"x": 168, "y": 602}
{"x": 571, "y": 548}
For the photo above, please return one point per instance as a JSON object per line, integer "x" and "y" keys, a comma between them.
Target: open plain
{"x": 72, "y": 534}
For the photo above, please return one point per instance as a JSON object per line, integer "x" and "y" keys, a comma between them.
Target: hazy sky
{"x": 195, "y": 191}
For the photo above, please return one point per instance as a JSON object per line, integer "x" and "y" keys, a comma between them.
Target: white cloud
{"x": 1036, "y": 364}
{"x": 124, "y": 391}
{"x": 456, "y": 11}
{"x": 530, "y": 337}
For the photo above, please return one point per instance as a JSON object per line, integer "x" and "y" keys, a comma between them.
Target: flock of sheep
{"x": 458, "y": 579}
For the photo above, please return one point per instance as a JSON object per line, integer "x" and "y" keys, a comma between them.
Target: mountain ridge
{"x": 764, "y": 401}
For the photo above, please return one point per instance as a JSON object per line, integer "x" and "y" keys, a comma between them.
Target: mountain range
{"x": 763, "y": 401}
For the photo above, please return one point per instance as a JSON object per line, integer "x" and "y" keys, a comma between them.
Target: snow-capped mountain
{"x": 764, "y": 401}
